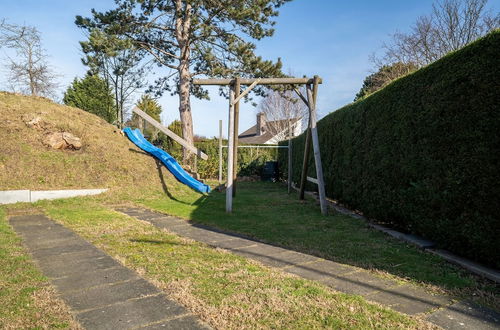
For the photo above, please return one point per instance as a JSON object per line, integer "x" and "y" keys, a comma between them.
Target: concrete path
{"x": 101, "y": 292}
{"x": 438, "y": 309}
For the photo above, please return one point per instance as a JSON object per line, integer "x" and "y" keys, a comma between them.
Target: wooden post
{"x": 141, "y": 125}
{"x": 237, "y": 90}
{"x": 305, "y": 162}
{"x": 311, "y": 97}
{"x": 289, "y": 157}
{"x": 230, "y": 153}
{"x": 220, "y": 151}
{"x": 195, "y": 165}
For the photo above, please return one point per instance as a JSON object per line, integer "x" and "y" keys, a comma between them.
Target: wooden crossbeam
{"x": 313, "y": 180}
{"x": 262, "y": 81}
{"x": 246, "y": 91}
{"x": 301, "y": 96}
{"x": 169, "y": 133}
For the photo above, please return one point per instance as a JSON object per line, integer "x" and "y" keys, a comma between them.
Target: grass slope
{"x": 107, "y": 158}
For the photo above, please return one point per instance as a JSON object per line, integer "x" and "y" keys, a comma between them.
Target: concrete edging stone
{"x": 31, "y": 196}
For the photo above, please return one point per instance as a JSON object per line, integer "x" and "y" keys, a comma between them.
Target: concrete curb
{"x": 31, "y": 196}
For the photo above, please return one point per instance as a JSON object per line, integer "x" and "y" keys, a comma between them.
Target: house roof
{"x": 250, "y": 135}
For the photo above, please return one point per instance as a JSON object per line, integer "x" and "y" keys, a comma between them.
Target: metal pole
{"x": 220, "y": 151}
{"x": 230, "y": 153}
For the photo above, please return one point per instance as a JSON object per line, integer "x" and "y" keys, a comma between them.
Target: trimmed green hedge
{"x": 424, "y": 152}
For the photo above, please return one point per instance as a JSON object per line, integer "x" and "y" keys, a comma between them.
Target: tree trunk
{"x": 185, "y": 108}
{"x": 182, "y": 33}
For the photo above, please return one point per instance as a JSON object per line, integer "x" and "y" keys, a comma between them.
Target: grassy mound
{"x": 107, "y": 158}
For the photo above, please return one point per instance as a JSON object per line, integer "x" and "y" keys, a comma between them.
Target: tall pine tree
{"x": 193, "y": 38}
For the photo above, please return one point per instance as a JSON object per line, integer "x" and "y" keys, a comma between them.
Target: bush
{"x": 424, "y": 152}
{"x": 250, "y": 161}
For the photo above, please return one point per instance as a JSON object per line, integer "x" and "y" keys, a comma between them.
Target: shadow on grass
{"x": 265, "y": 212}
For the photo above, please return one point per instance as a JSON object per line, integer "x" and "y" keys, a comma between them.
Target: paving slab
{"x": 359, "y": 282}
{"x": 33, "y": 235}
{"x": 99, "y": 296}
{"x": 80, "y": 252}
{"x": 130, "y": 313}
{"x": 40, "y": 243}
{"x": 322, "y": 268}
{"x": 234, "y": 243}
{"x": 409, "y": 300}
{"x": 102, "y": 293}
{"x": 208, "y": 237}
{"x": 81, "y": 281}
{"x": 67, "y": 265}
{"x": 182, "y": 323}
{"x": 260, "y": 249}
{"x": 23, "y": 220}
{"x": 168, "y": 225}
{"x": 150, "y": 216}
{"x": 466, "y": 315}
{"x": 73, "y": 247}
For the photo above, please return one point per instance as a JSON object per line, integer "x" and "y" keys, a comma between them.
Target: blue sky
{"x": 330, "y": 38}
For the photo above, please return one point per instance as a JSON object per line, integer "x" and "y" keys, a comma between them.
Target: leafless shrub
{"x": 452, "y": 25}
{"x": 28, "y": 71}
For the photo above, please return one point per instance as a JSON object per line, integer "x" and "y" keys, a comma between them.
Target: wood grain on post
{"x": 289, "y": 157}
{"x": 305, "y": 161}
{"x": 311, "y": 96}
{"x": 237, "y": 91}
{"x": 220, "y": 151}
{"x": 230, "y": 152}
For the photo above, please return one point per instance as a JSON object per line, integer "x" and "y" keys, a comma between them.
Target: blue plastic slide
{"x": 138, "y": 139}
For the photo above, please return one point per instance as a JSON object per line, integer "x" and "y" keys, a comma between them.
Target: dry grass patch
{"x": 106, "y": 159}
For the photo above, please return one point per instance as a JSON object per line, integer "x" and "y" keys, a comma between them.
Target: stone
{"x": 72, "y": 141}
{"x": 62, "y": 140}
{"x": 34, "y": 121}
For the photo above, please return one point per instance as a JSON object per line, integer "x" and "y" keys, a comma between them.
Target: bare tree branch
{"x": 29, "y": 71}
{"x": 452, "y": 25}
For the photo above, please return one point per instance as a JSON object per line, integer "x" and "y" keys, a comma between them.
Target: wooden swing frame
{"x": 235, "y": 95}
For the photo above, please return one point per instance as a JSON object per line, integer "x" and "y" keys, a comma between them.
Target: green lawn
{"x": 264, "y": 211}
{"x": 225, "y": 290}
{"x": 228, "y": 291}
